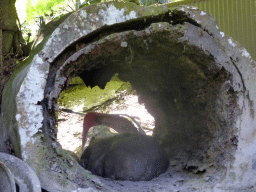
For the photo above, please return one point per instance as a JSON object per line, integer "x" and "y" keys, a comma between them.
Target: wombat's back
{"x": 126, "y": 156}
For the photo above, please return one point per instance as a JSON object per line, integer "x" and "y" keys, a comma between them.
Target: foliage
{"x": 42, "y": 7}
{"x": 80, "y": 94}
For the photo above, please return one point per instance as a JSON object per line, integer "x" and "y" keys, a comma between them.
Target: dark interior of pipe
{"x": 190, "y": 98}
{"x": 186, "y": 98}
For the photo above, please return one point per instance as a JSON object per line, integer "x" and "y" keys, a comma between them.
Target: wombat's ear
{"x": 92, "y": 140}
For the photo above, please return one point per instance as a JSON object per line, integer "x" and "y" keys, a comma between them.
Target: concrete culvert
{"x": 196, "y": 82}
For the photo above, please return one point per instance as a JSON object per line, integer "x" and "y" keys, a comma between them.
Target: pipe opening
{"x": 189, "y": 94}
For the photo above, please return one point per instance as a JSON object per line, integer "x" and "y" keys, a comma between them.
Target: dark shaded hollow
{"x": 182, "y": 87}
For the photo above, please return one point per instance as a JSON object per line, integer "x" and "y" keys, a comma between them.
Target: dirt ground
{"x": 70, "y": 130}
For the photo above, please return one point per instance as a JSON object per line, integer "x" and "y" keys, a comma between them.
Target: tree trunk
{"x": 1, "y": 39}
{"x": 11, "y": 42}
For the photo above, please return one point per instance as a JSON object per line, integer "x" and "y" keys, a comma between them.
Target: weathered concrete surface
{"x": 195, "y": 81}
{"x": 17, "y": 167}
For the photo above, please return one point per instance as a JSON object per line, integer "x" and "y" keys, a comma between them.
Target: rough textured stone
{"x": 24, "y": 176}
{"x": 195, "y": 81}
